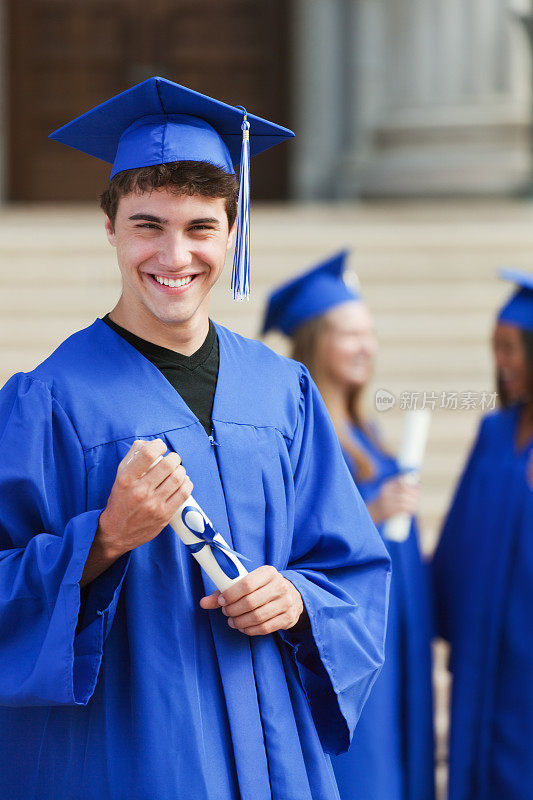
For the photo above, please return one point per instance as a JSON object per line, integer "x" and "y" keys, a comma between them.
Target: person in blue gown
{"x": 391, "y": 757}
{"x": 124, "y": 672}
{"x": 483, "y": 573}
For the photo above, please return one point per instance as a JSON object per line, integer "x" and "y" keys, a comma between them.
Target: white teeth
{"x": 173, "y": 284}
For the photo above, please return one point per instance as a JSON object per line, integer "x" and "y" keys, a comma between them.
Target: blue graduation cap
{"x": 519, "y": 309}
{"x": 158, "y": 122}
{"x": 309, "y": 295}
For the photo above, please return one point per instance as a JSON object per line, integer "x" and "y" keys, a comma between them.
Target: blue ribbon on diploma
{"x": 220, "y": 550}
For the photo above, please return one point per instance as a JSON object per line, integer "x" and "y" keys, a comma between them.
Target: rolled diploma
{"x": 410, "y": 458}
{"x": 205, "y": 556}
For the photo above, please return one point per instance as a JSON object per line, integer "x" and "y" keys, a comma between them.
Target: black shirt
{"x": 193, "y": 377}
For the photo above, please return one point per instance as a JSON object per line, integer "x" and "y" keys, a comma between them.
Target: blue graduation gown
{"x": 483, "y": 570}
{"x": 391, "y": 757}
{"x": 149, "y": 696}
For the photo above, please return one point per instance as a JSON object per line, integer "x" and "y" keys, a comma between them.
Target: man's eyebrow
{"x": 151, "y": 218}
{"x": 148, "y": 218}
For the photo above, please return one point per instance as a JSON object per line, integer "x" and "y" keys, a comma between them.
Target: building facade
{"x": 411, "y": 98}
{"x": 387, "y": 97}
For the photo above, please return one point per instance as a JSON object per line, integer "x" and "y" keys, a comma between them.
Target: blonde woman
{"x": 332, "y": 333}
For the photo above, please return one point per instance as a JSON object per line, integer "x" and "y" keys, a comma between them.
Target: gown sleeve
{"x": 449, "y": 571}
{"x": 50, "y": 650}
{"x": 341, "y": 568}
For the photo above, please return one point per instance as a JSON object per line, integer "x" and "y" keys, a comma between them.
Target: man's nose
{"x": 175, "y": 252}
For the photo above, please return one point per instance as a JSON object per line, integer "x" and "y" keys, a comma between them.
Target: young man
{"x": 148, "y": 683}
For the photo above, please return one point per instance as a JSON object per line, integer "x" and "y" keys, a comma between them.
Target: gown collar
{"x": 254, "y": 386}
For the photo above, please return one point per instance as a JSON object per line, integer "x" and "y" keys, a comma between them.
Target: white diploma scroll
{"x": 410, "y": 458}
{"x": 195, "y": 531}
{"x": 208, "y": 547}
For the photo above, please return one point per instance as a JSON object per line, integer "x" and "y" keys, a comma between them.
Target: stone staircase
{"x": 426, "y": 270}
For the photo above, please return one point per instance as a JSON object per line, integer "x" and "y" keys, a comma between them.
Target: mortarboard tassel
{"x": 240, "y": 276}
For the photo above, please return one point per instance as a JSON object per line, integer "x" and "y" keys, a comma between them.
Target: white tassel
{"x": 240, "y": 276}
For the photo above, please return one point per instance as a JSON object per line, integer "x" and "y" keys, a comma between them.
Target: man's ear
{"x": 110, "y": 230}
{"x": 231, "y": 236}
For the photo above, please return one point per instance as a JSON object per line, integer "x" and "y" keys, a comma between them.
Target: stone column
{"x": 422, "y": 97}
{"x": 364, "y": 84}
{"x": 456, "y": 108}
{"x": 318, "y": 64}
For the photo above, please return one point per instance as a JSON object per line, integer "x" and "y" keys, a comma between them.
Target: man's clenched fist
{"x": 148, "y": 490}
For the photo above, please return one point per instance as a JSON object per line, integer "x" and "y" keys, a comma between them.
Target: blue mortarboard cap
{"x": 519, "y": 309}
{"x": 309, "y": 295}
{"x": 158, "y": 122}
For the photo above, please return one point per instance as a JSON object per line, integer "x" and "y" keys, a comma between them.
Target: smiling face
{"x": 347, "y": 346}
{"x": 514, "y": 379}
{"x": 171, "y": 250}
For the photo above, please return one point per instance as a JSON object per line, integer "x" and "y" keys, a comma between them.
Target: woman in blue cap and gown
{"x": 483, "y": 571}
{"x": 332, "y": 331}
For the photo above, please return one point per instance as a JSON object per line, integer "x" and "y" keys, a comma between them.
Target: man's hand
{"x": 148, "y": 490}
{"x": 262, "y": 602}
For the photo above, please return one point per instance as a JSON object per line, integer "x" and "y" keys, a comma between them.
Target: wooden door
{"x": 69, "y": 55}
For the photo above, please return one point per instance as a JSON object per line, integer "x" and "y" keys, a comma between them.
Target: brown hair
{"x": 179, "y": 177}
{"x": 304, "y": 348}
